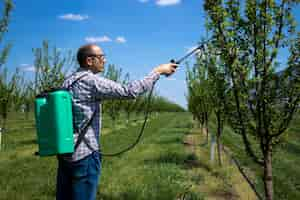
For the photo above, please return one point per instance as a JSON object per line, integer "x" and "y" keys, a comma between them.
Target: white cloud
{"x": 167, "y": 2}
{"x": 73, "y": 17}
{"x": 98, "y": 39}
{"x": 27, "y": 68}
{"x": 121, "y": 39}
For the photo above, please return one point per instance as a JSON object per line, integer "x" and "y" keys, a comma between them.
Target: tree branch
{"x": 278, "y": 33}
{"x": 285, "y": 123}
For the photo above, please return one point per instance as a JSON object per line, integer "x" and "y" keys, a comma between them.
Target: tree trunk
{"x": 206, "y": 128}
{"x": 268, "y": 180}
{"x": 2, "y": 129}
{"x": 219, "y": 147}
{"x": 219, "y": 132}
{"x": 212, "y": 148}
{"x": 206, "y": 135}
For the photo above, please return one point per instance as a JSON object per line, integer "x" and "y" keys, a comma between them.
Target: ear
{"x": 89, "y": 61}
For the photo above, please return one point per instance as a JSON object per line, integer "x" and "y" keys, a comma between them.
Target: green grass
{"x": 286, "y": 161}
{"x": 160, "y": 167}
{"x": 154, "y": 169}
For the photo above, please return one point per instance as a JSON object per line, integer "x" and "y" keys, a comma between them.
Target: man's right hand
{"x": 166, "y": 69}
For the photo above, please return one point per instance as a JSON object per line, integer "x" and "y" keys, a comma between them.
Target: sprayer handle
{"x": 175, "y": 62}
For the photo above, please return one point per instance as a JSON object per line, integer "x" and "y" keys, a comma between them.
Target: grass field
{"x": 153, "y": 170}
{"x": 170, "y": 163}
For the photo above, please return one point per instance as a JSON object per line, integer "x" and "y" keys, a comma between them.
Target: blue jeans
{"x": 78, "y": 180}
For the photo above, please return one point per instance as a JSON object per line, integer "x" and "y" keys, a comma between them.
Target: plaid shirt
{"x": 88, "y": 93}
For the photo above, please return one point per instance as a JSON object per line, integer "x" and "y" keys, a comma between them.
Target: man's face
{"x": 96, "y": 60}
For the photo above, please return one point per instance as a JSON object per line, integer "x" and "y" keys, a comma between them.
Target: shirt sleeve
{"x": 108, "y": 89}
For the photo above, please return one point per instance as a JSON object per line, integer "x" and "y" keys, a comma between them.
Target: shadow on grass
{"x": 204, "y": 144}
{"x": 187, "y": 161}
{"x": 27, "y": 142}
{"x": 135, "y": 196}
{"x": 292, "y": 148}
{"x": 171, "y": 140}
{"x": 171, "y": 157}
{"x": 132, "y": 194}
{"x": 224, "y": 194}
{"x": 187, "y": 125}
{"x": 186, "y": 143}
{"x": 193, "y": 162}
{"x": 123, "y": 196}
{"x": 21, "y": 129}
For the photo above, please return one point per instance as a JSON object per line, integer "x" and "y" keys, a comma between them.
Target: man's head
{"x": 91, "y": 56}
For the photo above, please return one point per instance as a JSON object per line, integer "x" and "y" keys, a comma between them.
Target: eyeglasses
{"x": 99, "y": 56}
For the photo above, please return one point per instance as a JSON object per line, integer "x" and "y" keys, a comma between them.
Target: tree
{"x": 25, "y": 96}
{"x": 161, "y": 104}
{"x": 248, "y": 37}
{"x": 140, "y": 104}
{"x": 127, "y": 105}
{"x": 8, "y": 88}
{"x": 198, "y": 95}
{"x": 7, "y": 85}
{"x": 51, "y": 68}
{"x": 113, "y": 107}
{"x": 218, "y": 88}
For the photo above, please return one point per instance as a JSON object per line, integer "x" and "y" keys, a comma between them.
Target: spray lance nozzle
{"x": 201, "y": 46}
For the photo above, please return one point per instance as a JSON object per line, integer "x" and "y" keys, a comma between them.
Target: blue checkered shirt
{"x": 87, "y": 94}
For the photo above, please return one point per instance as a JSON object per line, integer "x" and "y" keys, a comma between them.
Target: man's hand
{"x": 166, "y": 69}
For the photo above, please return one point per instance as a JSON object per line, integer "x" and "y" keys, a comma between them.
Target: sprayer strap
{"x": 88, "y": 144}
{"x": 83, "y": 131}
{"x": 76, "y": 80}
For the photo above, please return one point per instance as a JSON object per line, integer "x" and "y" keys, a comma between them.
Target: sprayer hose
{"x": 141, "y": 131}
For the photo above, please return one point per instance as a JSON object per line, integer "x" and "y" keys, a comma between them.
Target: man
{"x": 78, "y": 173}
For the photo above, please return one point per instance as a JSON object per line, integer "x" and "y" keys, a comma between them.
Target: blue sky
{"x": 136, "y": 35}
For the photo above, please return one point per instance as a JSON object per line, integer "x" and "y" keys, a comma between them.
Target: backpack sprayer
{"x": 54, "y": 121}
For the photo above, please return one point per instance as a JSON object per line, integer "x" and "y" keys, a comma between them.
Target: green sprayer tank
{"x": 53, "y": 114}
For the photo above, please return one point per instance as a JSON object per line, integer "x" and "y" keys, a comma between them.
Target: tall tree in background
{"x": 140, "y": 104}
{"x": 51, "y": 67}
{"x": 198, "y": 94}
{"x": 25, "y": 97}
{"x": 8, "y": 89}
{"x": 17, "y": 96}
{"x": 249, "y": 35}
{"x": 113, "y": 107}
{"x": 218, "y": 88}
{"x": 7, "y": 85}
{"x": 127, "y": 105}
